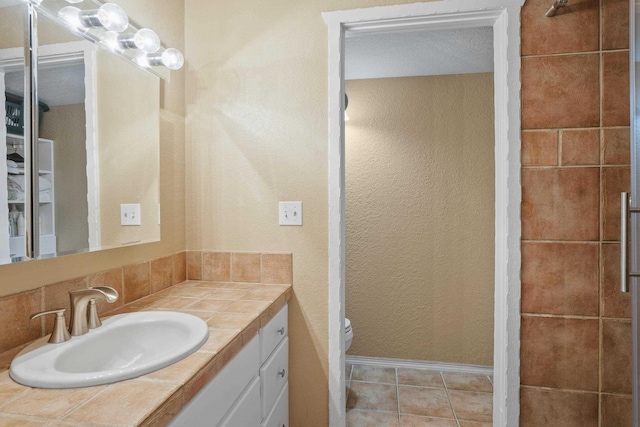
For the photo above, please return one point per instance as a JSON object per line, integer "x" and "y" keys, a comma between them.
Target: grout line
{"x": 446, "y": 390}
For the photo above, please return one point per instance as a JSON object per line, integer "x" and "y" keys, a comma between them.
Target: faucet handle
{"x": 59, "y": 333}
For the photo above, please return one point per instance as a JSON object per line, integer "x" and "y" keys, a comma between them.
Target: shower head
{"x": 555, "y": 7}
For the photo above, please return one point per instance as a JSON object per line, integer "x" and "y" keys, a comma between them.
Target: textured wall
{"x": 576, "y": 328}
{"x": 167, "y": 19}
{"x": 420, "y": 217}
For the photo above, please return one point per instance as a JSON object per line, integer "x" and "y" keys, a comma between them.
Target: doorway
{"x": 503, "y": 17}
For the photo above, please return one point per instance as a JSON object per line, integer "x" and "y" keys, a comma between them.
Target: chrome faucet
{"x": 80, "y": 299}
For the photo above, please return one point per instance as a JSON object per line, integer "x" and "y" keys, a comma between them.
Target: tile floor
{"x": 389, "y": 397}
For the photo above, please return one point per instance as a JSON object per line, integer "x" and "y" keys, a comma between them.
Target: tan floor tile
{"x": 50, "y": 403}
{"x": 357, "y": 418}
{"x": 471, "y": 405}
{"x": 420, "y": 377}
{"x": 6, "y": 421}
{"x": 466, "y": 381}
{"x": 378, "y": 397}
{"x": 374, "y": 374}
{"x": 124, "y": 403}
{"x": 474, "y": 424}
{"x": 416, "y": 421}
{"x": 431, "y": 402}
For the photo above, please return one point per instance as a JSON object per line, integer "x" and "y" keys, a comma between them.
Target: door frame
{"x": 504, "y": 17}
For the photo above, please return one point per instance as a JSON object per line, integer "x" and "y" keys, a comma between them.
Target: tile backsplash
{"x": 136, "y": 281}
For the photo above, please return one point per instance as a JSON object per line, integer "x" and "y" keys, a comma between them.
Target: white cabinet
{"x": 251, "y": 390}
{"x": 15, "y": 183}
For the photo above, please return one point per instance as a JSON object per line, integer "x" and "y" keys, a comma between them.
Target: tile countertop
{"x": 234, "y": 313}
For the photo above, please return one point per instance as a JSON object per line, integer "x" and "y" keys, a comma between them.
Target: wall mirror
{"x": 98, "y": 142}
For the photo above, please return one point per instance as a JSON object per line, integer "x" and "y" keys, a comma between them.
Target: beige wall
{"x": 128, "y": 118}
{"x": 65, "y": 125}
{"x": 256, "y": 128}
{"x": 167, "y": 19}
{"x": 420, "y": 218}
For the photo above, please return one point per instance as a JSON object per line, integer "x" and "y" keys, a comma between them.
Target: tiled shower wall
{"x": 576, "y": 328}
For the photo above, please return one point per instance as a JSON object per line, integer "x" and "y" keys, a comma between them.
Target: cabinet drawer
{"x": 279, "y": 416}
{"x": 246, "y": 411}
{"x": 274, "y": 374}
{"x": 215, "y": 399}
{"x": 273, "y": 332}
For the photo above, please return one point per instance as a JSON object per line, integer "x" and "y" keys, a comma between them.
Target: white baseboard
{"x": 419, "y": 364}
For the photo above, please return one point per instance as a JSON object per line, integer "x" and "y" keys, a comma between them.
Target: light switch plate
{"x": 290, "y": 213}
{"x": 130, "y": 214}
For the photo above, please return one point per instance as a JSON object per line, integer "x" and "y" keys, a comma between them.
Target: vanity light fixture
{"x": 75, "y": 1}
{"x": 109, "y": 16}
{"x": 171, "y": 58}
{"x": 144, "y": 39}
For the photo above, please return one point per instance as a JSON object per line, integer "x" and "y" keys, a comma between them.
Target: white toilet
{"x": 348, "y": 334}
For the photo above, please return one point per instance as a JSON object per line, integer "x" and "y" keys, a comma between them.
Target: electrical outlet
{"x": 290, "y": 213}
{"x": 130, "y": 214}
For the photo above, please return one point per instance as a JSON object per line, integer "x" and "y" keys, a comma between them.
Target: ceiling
{"x": 56, "y": 85}
{"x": 419, "y": 53}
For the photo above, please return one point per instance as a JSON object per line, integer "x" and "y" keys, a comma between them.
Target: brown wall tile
{"x": 615, "y": 146}
{"x": 277, "y": 268}
{"x": 560, "y": 278}
{"x": 540, "y": 148}
{"x": 161, "y": 273}
{"x": 616, "y": 411}
{"x": 549, "y": 356}
{"x": 136, "y": 281}
{"x": 573, "y": 29}
{"x": 615, "y": 24}
{"x": 560, "y": 204}
{"x": 615, "y": 89}
{"x": 561, "y": 91}
{"x": 245, "y": 267}
{"x": 614, "y": 181}
{"x": 580, "y": 147}
{"x": 14, "y": 313}
{"x": 194, "y": 265}
{"x": 113, "y": 279}
{"x": 616, "y": 356}
{"x": 216, "y": 266}
{"x": 540, "y": 407}
{"x": 179, "y": 267}
{"x": 613, "y": 302}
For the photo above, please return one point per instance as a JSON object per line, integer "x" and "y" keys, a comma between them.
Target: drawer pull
{"x": 281, "y": 331}
{"x": 282, "y": 373}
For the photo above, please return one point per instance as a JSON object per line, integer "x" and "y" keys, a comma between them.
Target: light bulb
{"x": 144, "y": 39}
{"x": 113, "y": 17}
{"x": 70, "y": 15}
{"x": 109, "y": 16}
{"x": 172, "y": 59}
{"x": 75, "y": 1}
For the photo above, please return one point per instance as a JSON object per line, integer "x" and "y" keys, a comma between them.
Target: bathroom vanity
{"x": 252, "y": 389}
{"x": 239, "y": 377}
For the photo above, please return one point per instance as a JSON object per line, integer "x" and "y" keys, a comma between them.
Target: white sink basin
{"x": 125, "y": 346}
